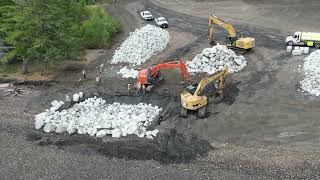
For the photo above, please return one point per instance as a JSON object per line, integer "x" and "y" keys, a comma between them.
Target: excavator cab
{"x": 231, "y": 41}
{"x": 197, "y": 101}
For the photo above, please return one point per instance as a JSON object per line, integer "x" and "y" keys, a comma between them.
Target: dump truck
{"x": 304, "y": 39}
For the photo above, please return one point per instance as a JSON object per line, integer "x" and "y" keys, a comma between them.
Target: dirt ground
{"x": 264, "y": 128}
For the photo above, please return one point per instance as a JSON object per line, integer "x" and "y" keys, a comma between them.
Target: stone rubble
{"x": 311, "y": 68}
{"x": 96, "y": 118}
{"x": 128, "y": 73}
{"x": 214, "y": 59}
{"x": 141, "y": 45}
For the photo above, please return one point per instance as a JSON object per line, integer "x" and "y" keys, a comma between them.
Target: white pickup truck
{"x": 304, "y": 39}
{"x": 146, "y": 15}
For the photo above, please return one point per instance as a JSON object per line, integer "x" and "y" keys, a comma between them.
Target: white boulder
{"x": 297, "y": 52}
{"x": 75, "y": 97}
{"x": 214, "y": 59}
{"x": 141, "y": 45}
{"x": 92, "y": 114}
{"x": 128, "y": 73}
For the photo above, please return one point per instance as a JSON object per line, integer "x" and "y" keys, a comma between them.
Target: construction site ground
{"x": 263, "y": 129}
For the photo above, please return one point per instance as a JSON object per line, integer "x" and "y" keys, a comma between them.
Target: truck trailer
{"x": 304, "y": 39}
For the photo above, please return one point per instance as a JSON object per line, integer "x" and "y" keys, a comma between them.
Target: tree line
{"x": 49, "y": 31}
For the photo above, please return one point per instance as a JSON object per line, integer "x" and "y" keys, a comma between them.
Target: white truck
{"x": 304, "y": 39}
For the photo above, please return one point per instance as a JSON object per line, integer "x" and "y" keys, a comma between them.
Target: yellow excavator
{"x": 242, "y": 44}
{"x": 194, "y": 101}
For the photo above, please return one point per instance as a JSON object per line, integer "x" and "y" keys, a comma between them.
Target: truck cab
{"x": 294, "y": 40}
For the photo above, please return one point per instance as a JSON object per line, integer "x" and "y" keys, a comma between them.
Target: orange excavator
{"x": 148, "y": 78}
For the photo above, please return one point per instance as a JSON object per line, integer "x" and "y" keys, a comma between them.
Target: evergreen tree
{"x": 46, "y": 31}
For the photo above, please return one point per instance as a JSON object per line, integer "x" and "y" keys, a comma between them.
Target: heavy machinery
{"x": 195, "y": 101}
{"x": 304, "y": 39}
{"x": 241, "y": 44}
{"x": 147, "y": 78}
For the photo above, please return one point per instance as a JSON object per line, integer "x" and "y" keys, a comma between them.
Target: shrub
{"x": 98, "y": 30}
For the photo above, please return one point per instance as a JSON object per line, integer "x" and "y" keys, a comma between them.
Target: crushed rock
{"x": 128, "y": 73}
{"x": 96, "y": 118}
{"x": 141, "y": 45}
{"x": 311, "y": 68}
{"x": 211, "y": 60}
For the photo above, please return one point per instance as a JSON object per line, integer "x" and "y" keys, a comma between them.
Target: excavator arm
{"x": 171, "y": 65}
{"x": 219, "y": 76}
{"x": 215, "y": 20}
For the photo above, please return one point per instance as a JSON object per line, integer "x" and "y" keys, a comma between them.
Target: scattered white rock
{"x": 128, "y": 73}
{"x": 80, "y": 94}
{"x": 5, "y": 85}
{"x": 75, "y": 97}
{"x": 152, "y": 134}
{"x": 56, "y": 105}
{"x": 116, "y": 133}
{"x": 48, "y": 128}
{"x": 289, "y": 48}
{"x": 297, "y": 52}
{"x": 101, "y": 133}
{"x": 40, "y": 118}
{"x": 68, "y": 99}
{"x": 214, "y": 59}
{"x": 311, "y": 68}
{"x": 96, "y": 118}
{"x": 141, "y": 45}
{"x": 306, "y": 50}
{"x": 60, "y": 129}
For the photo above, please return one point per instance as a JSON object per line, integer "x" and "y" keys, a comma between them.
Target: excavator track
{"x": 238, "y": 50}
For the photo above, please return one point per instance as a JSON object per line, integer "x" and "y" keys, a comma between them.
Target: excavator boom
{"x": 197, "y": 102}
{"x": 240, "y": 44}
{"x": 147, "y": 78}
{"x": 204, "y": 82}
{"x": 171, "y": 65}
{"x": 215, "y": 20}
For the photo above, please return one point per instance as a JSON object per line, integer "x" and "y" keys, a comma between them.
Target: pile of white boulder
{"x": 128, "y": 73}
{"x": 311, "y": 68}
{"x": 96, "y": 118}
{"x": 141, "y": 45}
{"x": 214, "y": 59}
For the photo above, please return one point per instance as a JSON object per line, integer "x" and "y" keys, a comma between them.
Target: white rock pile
{"x": 311, "y": 68}
{"x": 141, "y": 45}
{"x": 214, "y": 59}
{"x": 96, "y": 118}
{"x": 128, "y": 73}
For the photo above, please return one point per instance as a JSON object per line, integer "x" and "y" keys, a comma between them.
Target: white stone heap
{"x": 141, "y": 45}
{"x": 311, "y": 68}
{"x": 214, "y": 59}
{"x": 96, "y": 118}
{"x": 128, "y": 73}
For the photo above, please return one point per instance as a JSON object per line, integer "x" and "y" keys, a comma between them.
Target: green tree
{"x": 6, "y": 2}
{"x": 46, "y": 31}
{"x": 98, "y": 29}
